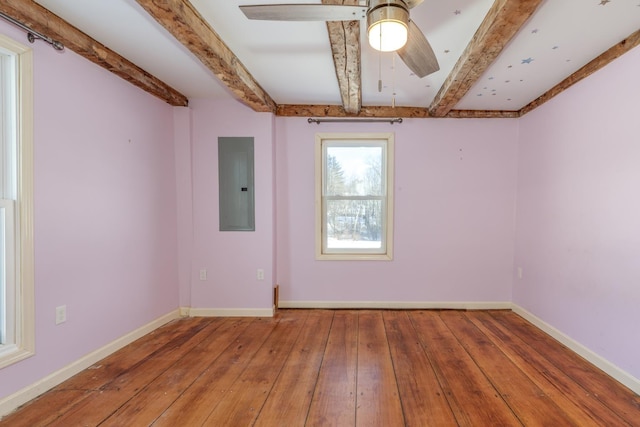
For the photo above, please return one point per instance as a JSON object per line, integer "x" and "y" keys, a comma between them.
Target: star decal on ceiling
{"x": 555, "y": 47}
{"x": 604, "y": 2}
{"x": 534, "y": 31}
{"x": 527, "y": 61}
{"x": 457, "y": 12}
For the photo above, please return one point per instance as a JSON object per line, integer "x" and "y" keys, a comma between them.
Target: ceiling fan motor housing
{"x": 393, "y": 10}
{"x": 384, "y": 11}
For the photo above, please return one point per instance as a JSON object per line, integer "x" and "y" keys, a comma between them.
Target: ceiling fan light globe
{"x": 387, "y": 24}
{"x": 388, "y": 36}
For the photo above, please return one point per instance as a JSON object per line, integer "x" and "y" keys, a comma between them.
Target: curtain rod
{"x": 368, "y": 120}
{"x": 33, "y": 35}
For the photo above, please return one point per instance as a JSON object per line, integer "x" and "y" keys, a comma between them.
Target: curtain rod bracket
{"x": 354, "y": 120}
{"x": 32, "y": 35}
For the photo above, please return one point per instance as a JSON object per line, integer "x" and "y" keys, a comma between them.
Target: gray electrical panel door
{"x": 236, "y": 190}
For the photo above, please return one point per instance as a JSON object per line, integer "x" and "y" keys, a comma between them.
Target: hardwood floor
{"x": 340, "y": 368}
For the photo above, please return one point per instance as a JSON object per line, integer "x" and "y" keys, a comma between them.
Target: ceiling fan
{"x": 388, "y": 26}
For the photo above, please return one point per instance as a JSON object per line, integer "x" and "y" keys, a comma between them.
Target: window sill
{"x": 10, "y": 354}
{"x": 354, "y": 257}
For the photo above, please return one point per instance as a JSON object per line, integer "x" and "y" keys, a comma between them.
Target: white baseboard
{"x": 10, "y": 403}
{"x": 619, "y": 374}
{"x": 399, "y": 305}
{"x": 231, "y": 312}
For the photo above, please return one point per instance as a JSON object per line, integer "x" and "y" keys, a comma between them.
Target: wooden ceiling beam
{"x": 344, "y": 37}
{"x": 42, "y": 20}
{"x": 503, "y": 21}
{"x": 337, "y": 111}
{"x": 602, "y": 60}
{"x": 185, "y": 23}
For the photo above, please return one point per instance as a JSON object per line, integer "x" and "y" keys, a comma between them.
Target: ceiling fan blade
{"x": 417, "y": 53}
{"x": 304, "y": 12}
{"x": 412, "y": 3}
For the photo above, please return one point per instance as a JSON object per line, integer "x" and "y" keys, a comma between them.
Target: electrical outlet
{"x": 260, "y": 274}
{"x": 203, "y": 274}
{"x": 61, "y": 314}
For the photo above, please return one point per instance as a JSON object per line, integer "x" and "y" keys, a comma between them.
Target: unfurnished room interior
{"x": 320, "y": 213}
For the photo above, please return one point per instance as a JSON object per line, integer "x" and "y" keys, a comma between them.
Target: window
{"x": 354, "y": 196}
{"x": 16, "y": 203}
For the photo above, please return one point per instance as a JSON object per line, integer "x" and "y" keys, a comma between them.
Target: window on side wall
{"x": 354, "y": 196}
{"x": 16, "y": 203}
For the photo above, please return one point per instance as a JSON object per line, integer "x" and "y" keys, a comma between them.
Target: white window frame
{"x": 16, "y": 201}
{"x": 334, "y": 139}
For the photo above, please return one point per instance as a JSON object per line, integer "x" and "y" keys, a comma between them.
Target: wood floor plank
{"x": 120, "y": 361}
{"x": 334, "y": 399}
{"x": 99, "y": 406}
{"x": 614, "y": 395}
{"x": 582, "y": 407}
{"x": 196, "y": 403}
{"x": 289, "y": 399}
{"x": 241, "y": 403}
{"x": 423, "y": 400}
{"x": 159, "y": 394}
{"x": 530, "y": 404}
{"x": 45, "y": 409}
{"x": 377, "y": 397}
{"x": 473, "y": 399}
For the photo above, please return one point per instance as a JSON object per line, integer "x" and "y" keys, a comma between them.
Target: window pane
{"x": 354, "y": 224}
{"x": 354, "y": 171}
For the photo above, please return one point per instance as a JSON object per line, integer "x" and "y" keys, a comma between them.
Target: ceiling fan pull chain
{"x": 379, "y": 71}
{"x": 393, "y": 80}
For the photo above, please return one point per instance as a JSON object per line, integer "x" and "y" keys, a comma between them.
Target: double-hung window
{"x": 16, "y": 203}
{"x": 354, "y": 196}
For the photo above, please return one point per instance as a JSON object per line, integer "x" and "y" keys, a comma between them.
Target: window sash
{"x": 324, "y": 197}
{"x": 7, "y": 272}
{"x": 8, "y": 121}
{"x": 326, "y": 249}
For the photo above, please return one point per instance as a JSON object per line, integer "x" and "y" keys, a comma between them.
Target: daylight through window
{"x": 354, "y": 183}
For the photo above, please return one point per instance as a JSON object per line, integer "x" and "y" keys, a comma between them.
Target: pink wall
{"x": 105, "y": 210}
{"x": 184, "y": 199}
{"x": 578, "y": 227}
{"x": 231, "y": 258}
{"x": 454, "y": 215}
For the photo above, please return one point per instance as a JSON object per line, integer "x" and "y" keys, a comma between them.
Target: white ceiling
{"x": 292, "y": 61}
